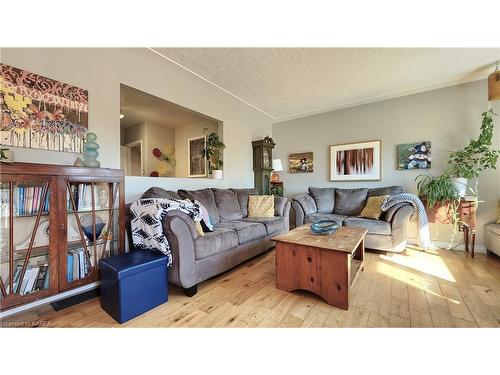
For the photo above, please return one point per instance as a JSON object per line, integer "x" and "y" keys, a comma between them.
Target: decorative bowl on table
{"x": 324, "y": 227}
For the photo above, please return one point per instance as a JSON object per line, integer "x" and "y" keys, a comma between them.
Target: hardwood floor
{"x": 413, "y": 289}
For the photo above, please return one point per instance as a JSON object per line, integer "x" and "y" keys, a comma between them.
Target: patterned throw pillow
{"x": 373, "y": 208}
{"x": 261, "y": 206}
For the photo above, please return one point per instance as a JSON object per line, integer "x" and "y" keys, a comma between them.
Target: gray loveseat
{"x": 344, "y": 206}
{"x": 235, "y": 238}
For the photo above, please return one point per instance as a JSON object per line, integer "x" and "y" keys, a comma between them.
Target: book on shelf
{"x": 27, "y": 200}
{"x": 69, "y": 267}
{"x": 40, "y": 279}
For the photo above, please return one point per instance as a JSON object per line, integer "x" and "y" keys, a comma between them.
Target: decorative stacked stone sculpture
{"x": 90, "y": 151}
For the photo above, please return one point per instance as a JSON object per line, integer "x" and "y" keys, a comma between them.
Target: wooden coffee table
{"x": 326, "y": 265}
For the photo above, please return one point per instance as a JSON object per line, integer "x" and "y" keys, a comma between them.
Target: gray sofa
{"x": 235, "y": 238}
{"x": 344, "y": 206}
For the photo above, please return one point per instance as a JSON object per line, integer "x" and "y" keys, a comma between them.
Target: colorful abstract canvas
{"x": 39, "y": 112}
{"x": 355, "y": 162}
{"x": 414, "y": 155}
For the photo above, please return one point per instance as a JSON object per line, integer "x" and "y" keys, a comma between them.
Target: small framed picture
{"x": 414, "y": 155}
{"x": 197, "y": 162}
{"x": 355, "y": 161}
{"x": 301, "y": 163}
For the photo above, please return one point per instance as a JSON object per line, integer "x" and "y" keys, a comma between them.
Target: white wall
{"x": 448, "y": 117}
{"x": 101, "y": 71}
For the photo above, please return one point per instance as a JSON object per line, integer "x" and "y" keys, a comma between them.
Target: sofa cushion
{"x": 373, "y": 226}
{"x": 312, "y": 218}
{"x": 158, "y": 192}
{"x": 215, "y": 242}
{"x": 350, "y": 202}
{"x": 324, "y": 199}
{"x": 307, "y": 203}
{"x": 274, "y": 225}
{"x": 242, "y": 196}
{"x": 227, "y": 204}
{"x": 387, "y": 190}
{"x": 206, "y": 197}
{"x": 246, "y": 231}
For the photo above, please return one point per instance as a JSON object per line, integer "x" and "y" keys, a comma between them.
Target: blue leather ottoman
{"x": 133, "y": 283}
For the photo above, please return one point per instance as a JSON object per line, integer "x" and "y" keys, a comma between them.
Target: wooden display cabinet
{"x": 84, "y": 209}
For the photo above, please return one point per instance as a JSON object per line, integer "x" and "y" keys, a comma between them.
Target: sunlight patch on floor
{"x": 422, "y": 262}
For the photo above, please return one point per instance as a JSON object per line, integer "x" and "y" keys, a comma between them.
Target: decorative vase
{"x": 90, "y": 153}
{"x": 460, "y": 185}
{"x": 217, "y": 174}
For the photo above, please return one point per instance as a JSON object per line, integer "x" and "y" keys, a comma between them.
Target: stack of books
{"x": 35, "y": 278}
{"x": 82, "y": 195}
{"x": 27, "y": 200}
{"x": 79, "y": 264}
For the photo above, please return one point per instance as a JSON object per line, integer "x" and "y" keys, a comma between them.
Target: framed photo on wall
{"x": 301, "y": 163}
{"x": 197, "y": 163}
{"x": 355, "y": 161}
{"x": 414, "y": 155}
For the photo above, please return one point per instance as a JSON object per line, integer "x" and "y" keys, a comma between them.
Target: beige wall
{"x": 101, "y": 71}
{"x": 448, "y": 117}
{"x": 182, "y": 134}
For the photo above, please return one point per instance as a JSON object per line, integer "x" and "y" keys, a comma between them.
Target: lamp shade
{"x": 277, "y": 166}
{"x": 494, "y": 85}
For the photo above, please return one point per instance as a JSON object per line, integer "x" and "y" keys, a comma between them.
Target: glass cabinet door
{"x": 92, "y": 228}
{"x": 26, "y": 243}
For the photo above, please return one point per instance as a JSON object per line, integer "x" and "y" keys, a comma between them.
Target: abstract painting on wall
{"x": 301, "y": 163}
{"x": 197, "y": 162}
{"x": 39, "y": 112}
{"x": 414, "y": 155}
{"x": 355, "y": 162}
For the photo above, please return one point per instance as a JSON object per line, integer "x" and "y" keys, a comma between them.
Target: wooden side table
{"x": 277, "y": 188}
{"x": 467, "y": 219}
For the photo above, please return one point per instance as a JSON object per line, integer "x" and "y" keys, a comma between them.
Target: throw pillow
{"x": 205, "y": 223}
{"x": 373, "y": 207}
{"x": 261, "y": 206}
{"x": 350, "y": 202}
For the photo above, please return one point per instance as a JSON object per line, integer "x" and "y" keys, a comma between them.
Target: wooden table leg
{"x": 465, "y": 229}
{"x": 473, "y": 233}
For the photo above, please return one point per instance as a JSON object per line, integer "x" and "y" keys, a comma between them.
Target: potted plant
{"x": 213, "y": 153}
{"x": 468, "y": 162}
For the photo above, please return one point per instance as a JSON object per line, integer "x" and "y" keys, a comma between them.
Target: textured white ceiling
{"x": 293, "y": 82}
{"x": 138, "y": 106}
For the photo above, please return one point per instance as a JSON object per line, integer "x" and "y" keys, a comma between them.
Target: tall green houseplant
{"x": 213, "y": 152}
{"x": 478, "y": 155}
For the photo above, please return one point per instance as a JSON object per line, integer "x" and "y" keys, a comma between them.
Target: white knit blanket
{"x": 419, "y": 215}
{"x": 146, "y": 222}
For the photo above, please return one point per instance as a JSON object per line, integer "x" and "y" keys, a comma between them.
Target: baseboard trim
{"x": 444, "y": 245}
{"x": 44, "y": 301}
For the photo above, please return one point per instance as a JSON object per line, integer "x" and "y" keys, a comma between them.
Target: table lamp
{"x": 277, "y": 167}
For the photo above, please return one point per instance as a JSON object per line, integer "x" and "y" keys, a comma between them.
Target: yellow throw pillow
{"x": 498, "y": 212}
{"x": 261, "y": 206}
{"x": 199, "y": 228}
{"x": 373, "y": 208}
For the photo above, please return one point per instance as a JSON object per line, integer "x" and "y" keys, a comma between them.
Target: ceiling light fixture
{"x": 494, "y": 84}
{"x": 121, "y": 116}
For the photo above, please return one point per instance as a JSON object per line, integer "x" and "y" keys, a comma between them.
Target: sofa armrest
{"x": 299, "y": 214}
{"x": 181, "y": 233}
{"x": 286, "y": 215}
{"x": 279, "y": 205}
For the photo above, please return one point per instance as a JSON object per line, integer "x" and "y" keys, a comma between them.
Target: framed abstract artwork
{"x": 355, "y": 161}
{"x": 197, "y": 162}
{"x": 39, "y": 112}
{"x": 301, "y": 163}
{"x": 414, "y": 155}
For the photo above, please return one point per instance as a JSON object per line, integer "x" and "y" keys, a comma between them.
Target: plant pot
{"x": 216, "y": 174}
{"x": 461, "y": 185}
